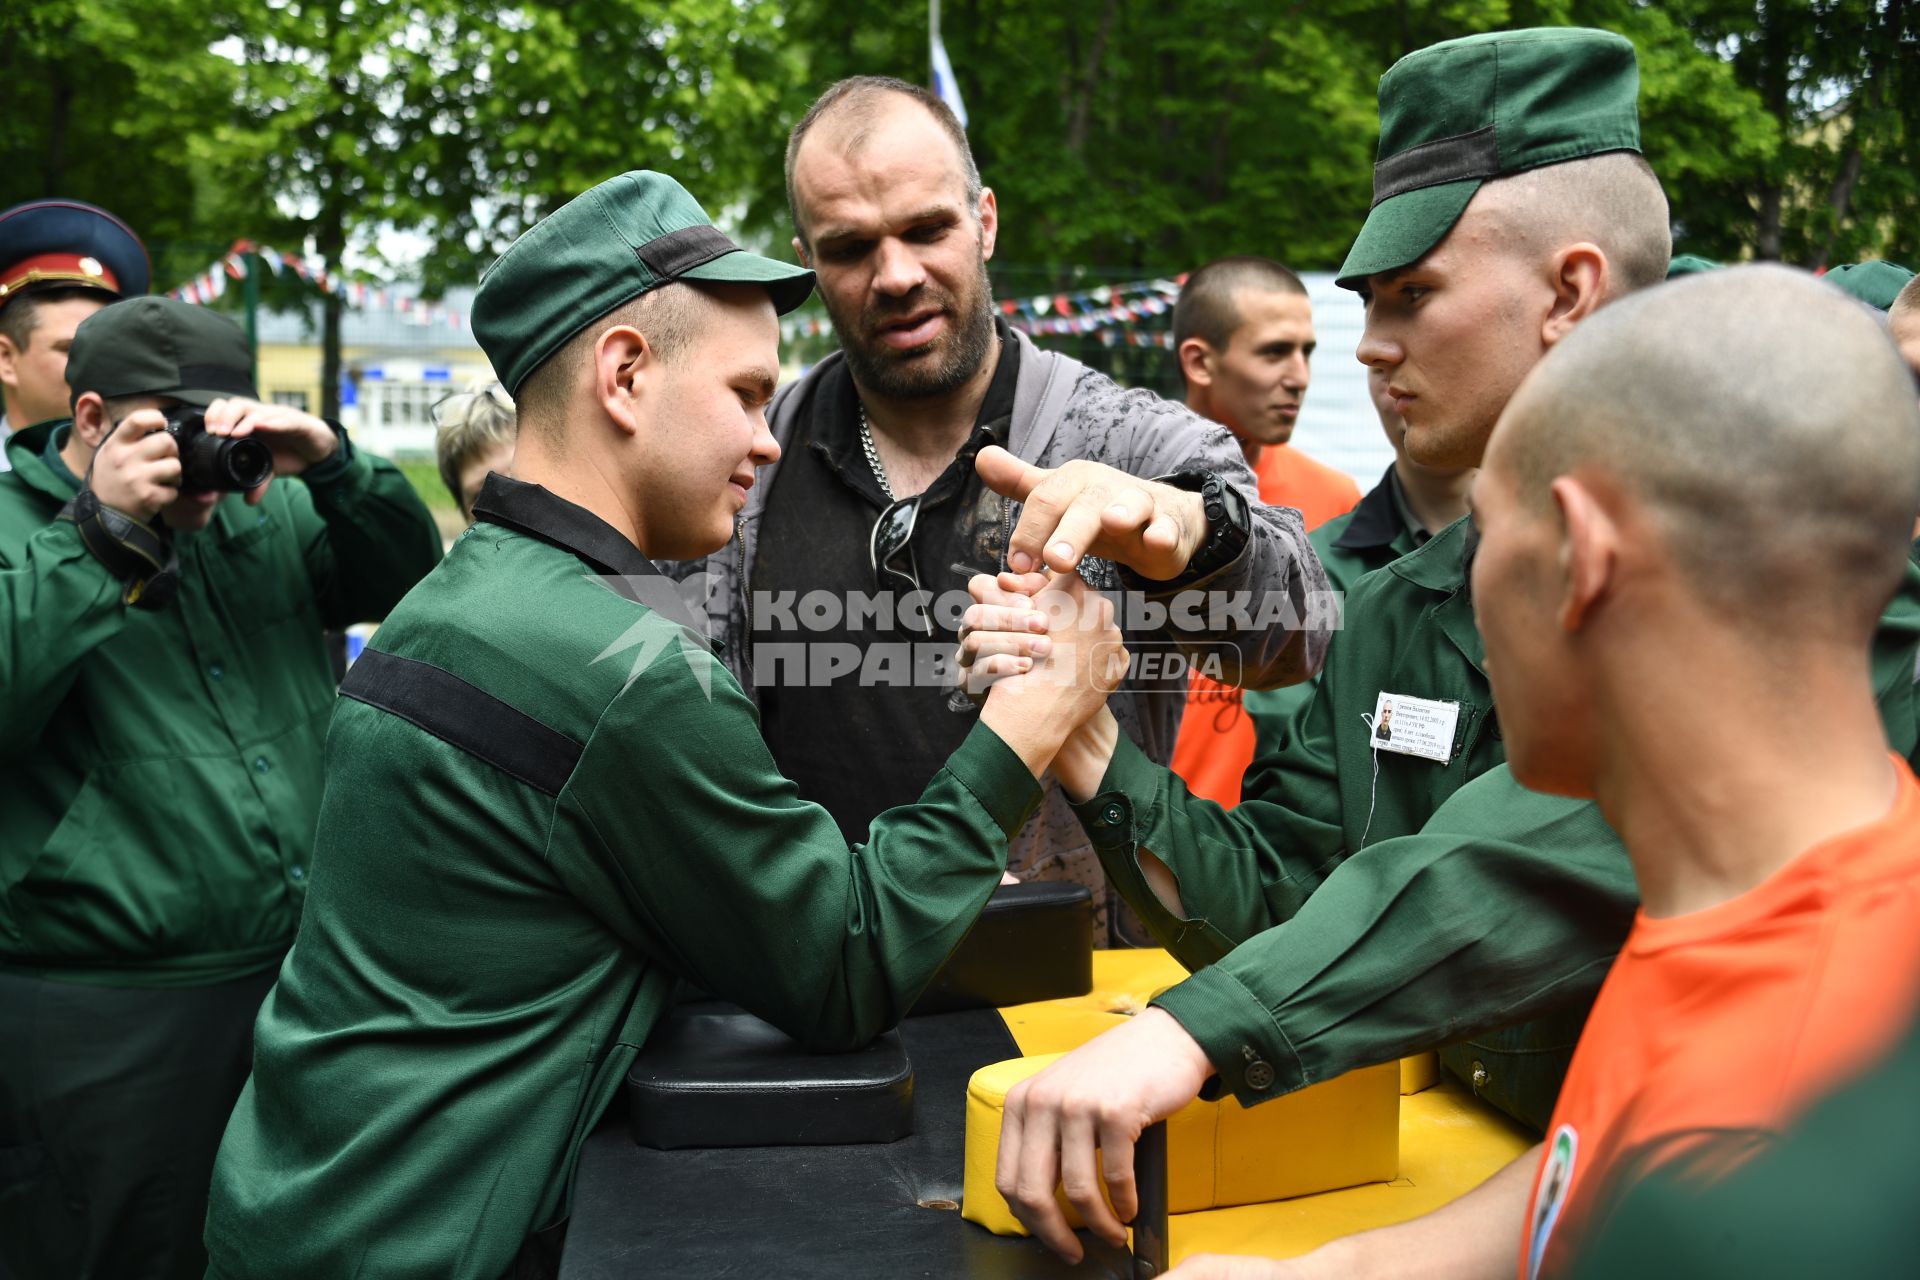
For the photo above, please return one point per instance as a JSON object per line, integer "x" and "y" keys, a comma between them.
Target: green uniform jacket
{"x": 546, "y": 805}
{"x": 160, "y": 772}
{"x": 1392, "y": 904}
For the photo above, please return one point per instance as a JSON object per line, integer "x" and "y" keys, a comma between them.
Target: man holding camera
{"x": 164, "y": 697}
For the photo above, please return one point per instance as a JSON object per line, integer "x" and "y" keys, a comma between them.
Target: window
{"x": 298, "y": 399}
{"x": 409, "y": 404}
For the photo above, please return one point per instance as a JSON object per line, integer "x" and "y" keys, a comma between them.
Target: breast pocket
{"x": 258, "y": 575}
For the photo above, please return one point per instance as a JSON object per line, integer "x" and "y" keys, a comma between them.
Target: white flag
{"x": 944, "y": 85}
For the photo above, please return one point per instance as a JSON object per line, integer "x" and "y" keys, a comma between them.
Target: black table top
{"x": 815, "y": 1211}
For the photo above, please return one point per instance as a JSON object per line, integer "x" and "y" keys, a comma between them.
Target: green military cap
{"x": 1689, "y": 264}
{"x": 601, "y": 249}
{"x": 1459, "y": 112}
{"x": 161, "y": 347}
{"x": 1876, "y": 283}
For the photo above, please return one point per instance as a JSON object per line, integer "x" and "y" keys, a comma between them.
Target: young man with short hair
{"x": 549, "y": 804}
{"x": 1411, "y": 504}
{"x": 1243, "y": 334}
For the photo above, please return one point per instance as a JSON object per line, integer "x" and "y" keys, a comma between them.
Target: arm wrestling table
{"x": 891, "y": 1209}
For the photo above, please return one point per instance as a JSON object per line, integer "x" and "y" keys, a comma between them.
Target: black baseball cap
{"x": 158, "y": 346}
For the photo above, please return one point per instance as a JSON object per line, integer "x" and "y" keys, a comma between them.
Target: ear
{"x": 1580, "y": 278}
{"x": 624, "y": 370}
{"x": 1196, "y": 362}
{"x": 1588, "y": 555}
{"x": 90, "y": 419}
{"x": 989, "y": 222}
{"x": 800, "y": 252}
{"x": 9, "y": 363}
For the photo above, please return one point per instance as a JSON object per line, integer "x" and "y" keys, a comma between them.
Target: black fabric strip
{"x": 217, "y": 377}
{"x": 532, "y": 509}
{"x": 671, "y": 255}
{"x": 1465, "y": 155}
{"x": 464, "y": 716}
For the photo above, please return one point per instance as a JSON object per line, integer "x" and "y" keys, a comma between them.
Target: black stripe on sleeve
{"x": 465, "y": 716}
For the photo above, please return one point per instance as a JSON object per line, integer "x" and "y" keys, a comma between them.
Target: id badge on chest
{"x": 1415, "y": 726}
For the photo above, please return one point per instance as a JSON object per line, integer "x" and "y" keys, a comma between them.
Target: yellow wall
{"x": 291, "y": 367}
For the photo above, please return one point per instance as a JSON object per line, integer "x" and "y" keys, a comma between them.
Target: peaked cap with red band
{"x": 69, "y": 245}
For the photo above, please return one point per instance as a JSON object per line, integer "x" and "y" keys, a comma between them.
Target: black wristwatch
{"x": 1229, "y": 522}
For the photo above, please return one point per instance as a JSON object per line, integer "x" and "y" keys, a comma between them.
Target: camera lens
{"x": 245, "y": 463}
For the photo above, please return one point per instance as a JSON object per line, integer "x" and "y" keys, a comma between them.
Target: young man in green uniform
{"x": 162, "y": 711}
{"x": 1420, "y": 894}
{"x": 548, "y": 803}
{"x": 1411, "y": 504}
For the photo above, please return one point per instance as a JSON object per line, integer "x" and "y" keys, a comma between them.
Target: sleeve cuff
{"x": 997, "y": 777}
{"x": 1124, "y": 801}
{"x": 1119, "y": 822}
{"x": 346, "y": 461}
{"x": 1238, "y": 1035}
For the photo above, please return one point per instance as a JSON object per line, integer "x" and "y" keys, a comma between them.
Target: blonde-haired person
{"x": 474, "y": 436}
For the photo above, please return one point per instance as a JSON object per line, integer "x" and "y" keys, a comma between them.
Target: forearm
{"x": 718, "y": 869}
{"x": 1476, "y": 1237}
{"x": 896, "y": 905}
{"x": 1261, "y": 621}
{"x": 1082, "y": 760}
{"x": 57, "y": 607}
{"x": 1509, "y": 904}
{"x": 1264, "y": 618}
{"x": 1225, "y": 867}
{"x": 373, "y": 538}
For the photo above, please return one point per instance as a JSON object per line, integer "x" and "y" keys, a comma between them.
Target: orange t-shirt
{"x": 1716, "y": 1028}
{"x": 1215, "y": 745}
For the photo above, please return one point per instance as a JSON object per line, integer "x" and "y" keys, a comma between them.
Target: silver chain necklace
{"x": 873, "y": 455}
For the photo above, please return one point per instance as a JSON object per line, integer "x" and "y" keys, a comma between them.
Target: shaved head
{"x": 1763, "y": 421}
{"x": 1612, "y": 200}
{"x": 669, "y": 317}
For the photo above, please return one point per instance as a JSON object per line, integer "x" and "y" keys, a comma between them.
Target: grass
{"x": 425, "y": 478}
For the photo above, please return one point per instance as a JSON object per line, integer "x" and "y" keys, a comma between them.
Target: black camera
{"x": 217, "y": 463}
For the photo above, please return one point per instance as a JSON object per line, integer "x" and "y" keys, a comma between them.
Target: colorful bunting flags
{"x": 236, "y": 263}
{"x": 1113, "y": 311}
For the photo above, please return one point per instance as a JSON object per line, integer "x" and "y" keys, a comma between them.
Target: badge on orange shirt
{"x": 1556, "y": 1180}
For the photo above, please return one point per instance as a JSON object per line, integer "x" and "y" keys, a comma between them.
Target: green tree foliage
{"x": 1828, "y": 171}
{"x": 112, "y": 102}
{"x": 1156, "y": 137}
{"x": 576, "y": 92}
{"x": 1124, "y": 138}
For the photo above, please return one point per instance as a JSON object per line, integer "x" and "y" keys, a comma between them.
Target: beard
{"x": 925, "y": 371}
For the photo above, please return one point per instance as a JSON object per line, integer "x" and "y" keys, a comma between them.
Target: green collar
{"x": 35, "y": 454}
{"x": 1440, "y": 563}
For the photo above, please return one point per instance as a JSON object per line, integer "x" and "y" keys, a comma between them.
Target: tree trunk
{"x": 331, "y": 240}
{"x": 1841, "y": 201}
{"x": 59, "y": 111}
{"x": 1766, "y": 245}
{"x": 1089, "y": 80}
